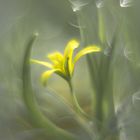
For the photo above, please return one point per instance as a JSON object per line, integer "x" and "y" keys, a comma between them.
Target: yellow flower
{"x": 63, "y": 64}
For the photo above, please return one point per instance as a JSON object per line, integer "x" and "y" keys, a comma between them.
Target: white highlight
{"x": 126, "y": 3}
{"x": 107, "y": 51}
{"x": 128, "y": 54}
{"x": 136, "y": 99}
{"x": 100, "y": 3}
{"x": 78, "y": 4}
{"x": 136, "y": 96}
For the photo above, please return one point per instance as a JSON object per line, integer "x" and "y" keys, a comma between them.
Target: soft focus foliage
{"x": 106, "y": 84}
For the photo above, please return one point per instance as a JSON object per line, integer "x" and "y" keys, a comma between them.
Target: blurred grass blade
{"x": 101, "y": 27}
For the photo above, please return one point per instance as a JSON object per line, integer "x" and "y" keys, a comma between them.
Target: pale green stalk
{"x": 76, "y": 105}
{"x": 100, "y": 70}
{"x": 36, "y": 115}
{"x": 81, "y": 116}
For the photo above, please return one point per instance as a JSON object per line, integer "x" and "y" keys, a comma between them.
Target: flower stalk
{"x": 76, "y": 105}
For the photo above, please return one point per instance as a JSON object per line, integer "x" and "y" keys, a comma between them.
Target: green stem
{"x": 81, "y": 116}
{"x": 77, "y": 107}
{"x": 37, "y": 116}
{"x": 101, "y": 25}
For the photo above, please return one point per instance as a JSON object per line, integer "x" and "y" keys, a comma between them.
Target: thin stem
{"x": 75, "y": 102}
{"x": 81, "y": 116}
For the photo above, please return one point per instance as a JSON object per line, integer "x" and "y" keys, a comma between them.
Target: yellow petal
{"x": 70, "y": 47}
{"x": 68, "y": 53}
{"x": 57, "y": 59}
{"x": 88, "y": 49}
{"x": 56, "y": 56}
{"x": 45, "y": 75}
{"x": 41, "y": 63}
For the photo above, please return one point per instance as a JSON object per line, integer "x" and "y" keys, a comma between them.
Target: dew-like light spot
{"x": 132, "y": 56}
{"x": 77, "y": 5}
{"x": 136, "y": 99}
{"x": 100, "y": 3}
{"x": 128, "y": 54}
{"x": 126, "y": 3}
{"x": 107, "y": 51}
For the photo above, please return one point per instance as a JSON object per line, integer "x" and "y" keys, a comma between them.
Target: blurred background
{"x": 57, "y": 22}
